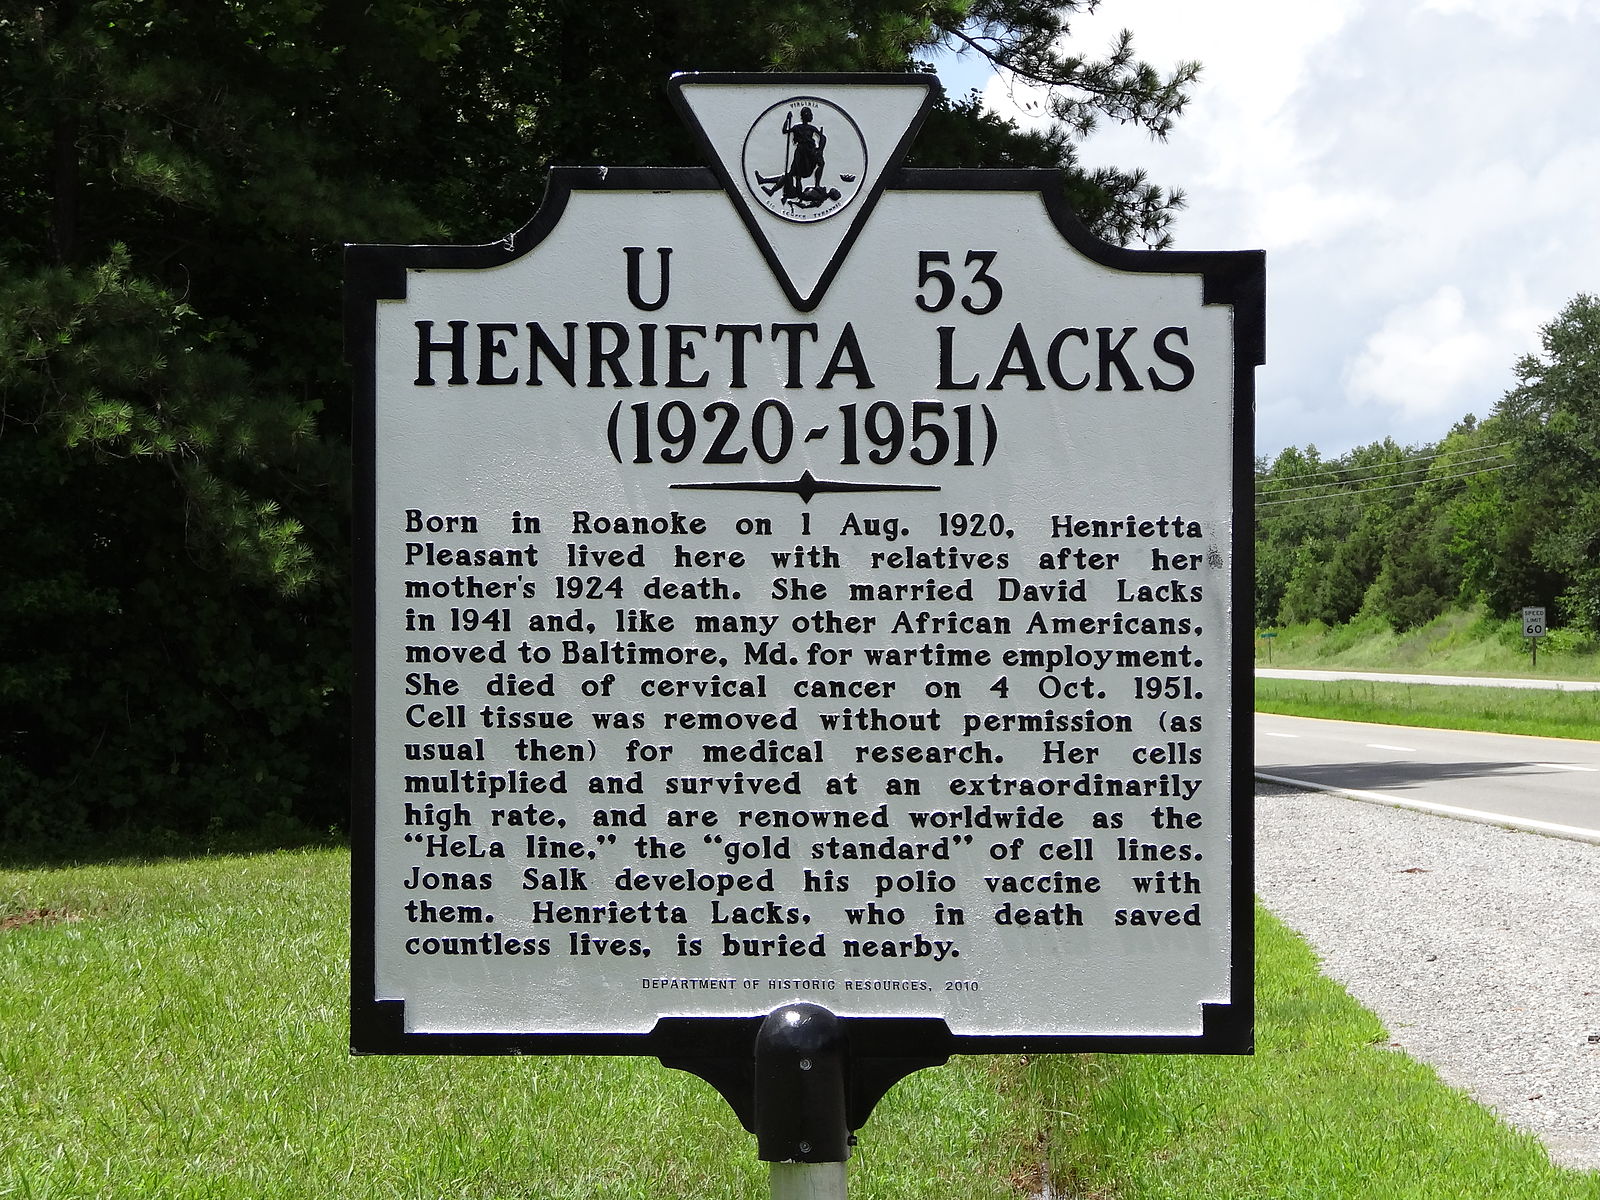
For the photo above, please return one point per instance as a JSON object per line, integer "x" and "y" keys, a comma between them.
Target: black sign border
{"x": 882, "y": 1049}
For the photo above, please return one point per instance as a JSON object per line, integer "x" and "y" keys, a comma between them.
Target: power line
{"x": 1465, "y": 462}
{"x": 1428, "y": 457}
{"x": 1386, "y": 470}
{"x": 1357, "y": 495}
{"x": 1367, "y": 492}
{"x": 1397, "y": 465}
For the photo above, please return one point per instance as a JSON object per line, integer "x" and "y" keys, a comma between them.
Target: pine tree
{"x": 174, "y": 408}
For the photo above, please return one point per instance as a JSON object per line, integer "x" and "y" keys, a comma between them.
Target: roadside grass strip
{"x": 1457, "y": 642}
{"x": 1437, "y": 706}
{"x": 177, "y": 1029}
{"x": 1324, "y": 1110}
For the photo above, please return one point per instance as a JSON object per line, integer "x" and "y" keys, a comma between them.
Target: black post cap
{"x": 800, "y": 1086}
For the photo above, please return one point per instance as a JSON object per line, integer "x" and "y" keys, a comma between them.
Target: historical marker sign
{"x": 805, "y": 579}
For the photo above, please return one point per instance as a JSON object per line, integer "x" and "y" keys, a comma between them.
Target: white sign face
{"x": 881, "y": 653}
{"x": 1533, "y": 625}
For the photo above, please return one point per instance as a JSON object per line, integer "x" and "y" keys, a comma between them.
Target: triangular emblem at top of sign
{"x": 804, "y": 158}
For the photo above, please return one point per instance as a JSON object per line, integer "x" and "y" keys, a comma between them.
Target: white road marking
{"x": 1382, "y": 746}
{"x": 1565, "y": 767}
{"x": 1549, "y": 828}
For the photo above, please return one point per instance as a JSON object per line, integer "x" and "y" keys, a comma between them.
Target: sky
{"x": 1424, "y": 176}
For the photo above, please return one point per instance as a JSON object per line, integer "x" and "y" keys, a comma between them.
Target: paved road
{"x": 1554, "y": 685}
{"x": 1530, "y": 781}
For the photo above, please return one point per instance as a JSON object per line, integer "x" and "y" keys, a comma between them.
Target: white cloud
{"x": 1431, "y": 360}
{"x": 1299, "y": 213}
{"x": 1513, "y": 18}
{"x": 1421, "y": 173}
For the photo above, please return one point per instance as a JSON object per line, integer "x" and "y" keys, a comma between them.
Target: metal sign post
{"x": 1533, "y": 628}
{"x": 808, "y": 626}
{"x": 1268, "y": 639}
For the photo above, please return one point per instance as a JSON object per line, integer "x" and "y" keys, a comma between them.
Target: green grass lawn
{"x": 1458, "y": 642}
{"x": 1437, "y": 706}
{"x": 1324, "y": 1110}
{"x": 176, "y": 1030}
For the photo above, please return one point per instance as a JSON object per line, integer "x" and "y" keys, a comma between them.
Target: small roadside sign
{"x": 1533, "y": 622}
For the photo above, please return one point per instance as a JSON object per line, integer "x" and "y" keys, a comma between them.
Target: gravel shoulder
{"x": 1478, "y": 947}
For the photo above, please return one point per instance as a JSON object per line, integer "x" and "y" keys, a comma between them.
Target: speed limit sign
{"x": 1533, "y": 622}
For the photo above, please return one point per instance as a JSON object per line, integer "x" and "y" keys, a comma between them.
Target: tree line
{"x": 1504, "y": 512}
{"x": 174, "y": 406}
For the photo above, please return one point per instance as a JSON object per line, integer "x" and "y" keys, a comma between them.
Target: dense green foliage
{"x": 1505, "y": 512}
{"x": 180, "y": 176}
